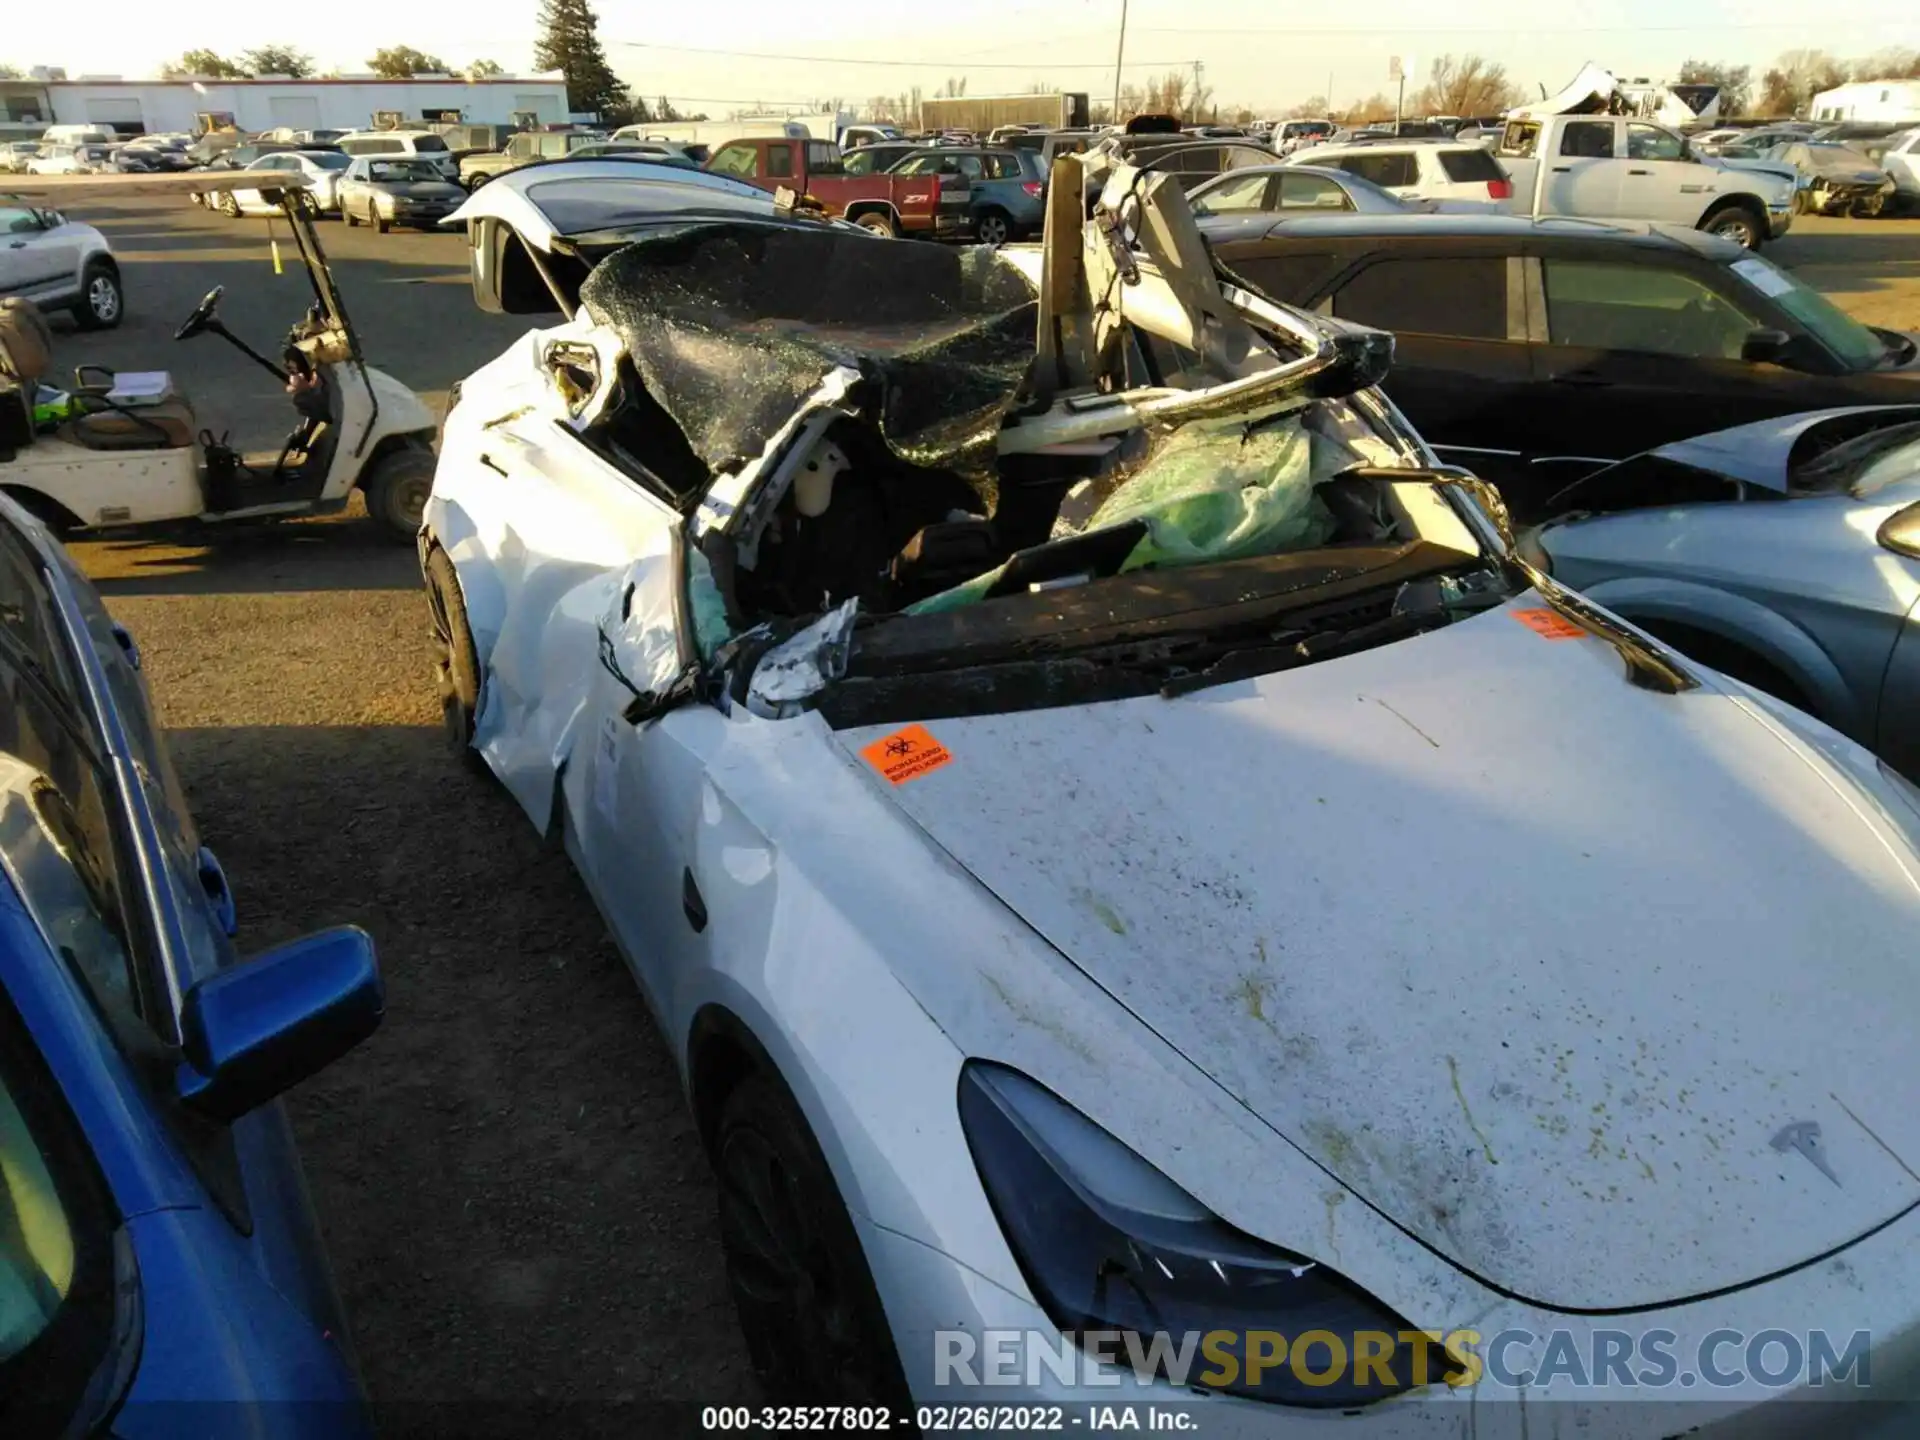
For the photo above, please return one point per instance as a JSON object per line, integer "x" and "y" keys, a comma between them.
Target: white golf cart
{"x": 130, "y": 450}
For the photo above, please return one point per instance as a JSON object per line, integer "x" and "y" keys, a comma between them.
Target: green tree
{"x": 1894, "y": 63}
{"x": 205, "y": 62}
{"x": 481, "y": 69}
{"x": 570, "y": 43}
{"x": 1735, "y": 82}
{"x": 9, "y": 72}
{"x": 401, "y": 61}
{"x": 278, "y": 60}
{"x": 664, "y": 110}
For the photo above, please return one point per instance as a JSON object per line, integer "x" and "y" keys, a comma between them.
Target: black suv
{"x": 1534, "y": 351}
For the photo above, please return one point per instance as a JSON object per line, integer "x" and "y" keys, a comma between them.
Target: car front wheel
{"x": 101, "y": 304}
{"x": 1736, "y": 225}
{"x": 812, "y": 1319}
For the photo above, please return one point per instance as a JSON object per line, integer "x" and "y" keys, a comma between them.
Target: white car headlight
{"x": 1108, "y": 1243}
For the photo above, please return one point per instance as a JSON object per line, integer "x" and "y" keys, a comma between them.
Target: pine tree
{"x": 570, "y": 43}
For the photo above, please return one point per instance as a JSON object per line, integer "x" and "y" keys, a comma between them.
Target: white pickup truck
{"x": 1601, "y": 166}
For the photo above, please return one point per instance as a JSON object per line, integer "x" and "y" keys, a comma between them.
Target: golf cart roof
{"x": 136, "y": 187}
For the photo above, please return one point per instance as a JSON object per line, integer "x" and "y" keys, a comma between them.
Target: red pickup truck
{"x": 925, "y": 206}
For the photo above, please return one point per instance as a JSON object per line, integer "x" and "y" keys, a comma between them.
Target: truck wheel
{"x": 879, "y": 222}
{"x": 102, "y": 303}
{"x": 1730, "y": 222}
{"x": 396, "y": 487}
{"x": 460, "y": 667}
{"x": 994, "y": 227}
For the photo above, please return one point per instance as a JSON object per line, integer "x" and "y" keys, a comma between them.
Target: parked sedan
{"x": 385, "y": 193}
{"x": 1123, "y": 851}
{"x": 1228, "y": 204}
{"x": 158, "y": 1251}
{"x": 1784, "y": 553}
{"x": 323, "y": 170}
{"x": 1006, "y": 196}
{"x": 1536, "y": 350}
{"x": 59, "y": 264}
{"x": 14, "y": 155}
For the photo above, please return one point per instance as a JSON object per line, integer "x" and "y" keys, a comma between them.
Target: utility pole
{"x": 1119, "y": 56}
{"x": 1198, "y": 69}
{"x": 1329, "y": 94}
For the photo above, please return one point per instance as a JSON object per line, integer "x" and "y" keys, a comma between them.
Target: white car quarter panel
{"x": 552, "y": 544}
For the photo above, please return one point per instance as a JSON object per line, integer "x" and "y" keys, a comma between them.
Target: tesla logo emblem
{"x": 1803, "y": 1137}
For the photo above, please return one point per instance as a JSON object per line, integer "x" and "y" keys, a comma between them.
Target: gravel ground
{"x": 513, "y": 1194}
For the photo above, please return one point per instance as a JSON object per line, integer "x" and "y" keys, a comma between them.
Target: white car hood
{"x": 1538, "y": 964}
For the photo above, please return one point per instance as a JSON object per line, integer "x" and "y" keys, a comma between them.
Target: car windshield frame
{"x": 1865, "y": 464}
{"x": 1856, "y": 346}
{"x": 329, "y": 160}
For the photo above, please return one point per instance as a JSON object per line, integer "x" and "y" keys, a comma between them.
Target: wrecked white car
{"x": 1125, "y": 854}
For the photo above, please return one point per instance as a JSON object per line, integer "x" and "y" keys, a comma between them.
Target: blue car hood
{"x": 1758, "y": 454}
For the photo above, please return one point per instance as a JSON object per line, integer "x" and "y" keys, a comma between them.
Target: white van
{"x": 415, "y": 144}
{"x": 94, "y": 134}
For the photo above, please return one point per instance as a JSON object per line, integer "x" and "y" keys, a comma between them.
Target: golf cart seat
{"x": 113, "y": 414}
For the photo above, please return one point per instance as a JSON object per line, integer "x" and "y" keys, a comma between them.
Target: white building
{"x": 347, "y": 102}
{"x": 1892, "y": 101}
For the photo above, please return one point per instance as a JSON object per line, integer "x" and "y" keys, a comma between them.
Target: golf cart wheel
{"x": 993, "y": 228}
{"x": 1733, "y": 223}
{"x": 459, "y": 667}
{"x": 380, "y": 222}
{"x": 879, "y": 222}
{"x": 102, "y": 303}
{"x": 813, "y": 1323}
{"x": 396, "y": 487}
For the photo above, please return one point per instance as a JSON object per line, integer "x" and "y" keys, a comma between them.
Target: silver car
{"x": 384, "y": 193}
{"x": 1784, "y": 553}
{"x": 1293, "y": 190}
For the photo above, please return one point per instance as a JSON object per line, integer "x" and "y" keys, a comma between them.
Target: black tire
{"x": 396, "y": 487}
{"x": 347, "y": 215}
{"x": 477, "y": 181}
{"x": 380, "y": 222}
{"x": 459, "y": 668}
{"x": 993, "y": 227}
{"x": 1735, "y": 223}
{"x": 1868, "y": 209}
{"x": 879, "y": 222}
{"x": 814, "y": 1326}
{"x": 103, "y": 303}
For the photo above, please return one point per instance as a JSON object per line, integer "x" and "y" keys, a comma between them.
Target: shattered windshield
{"x": 873, "y": 448}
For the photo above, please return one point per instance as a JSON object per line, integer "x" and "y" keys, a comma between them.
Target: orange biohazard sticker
{"x": 906, "y": 754}
{"x": 1549, "y": 624}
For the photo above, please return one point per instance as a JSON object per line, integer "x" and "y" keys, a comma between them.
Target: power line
{"x": 1031, "y": 66}
{"x": 1399, "y": 30}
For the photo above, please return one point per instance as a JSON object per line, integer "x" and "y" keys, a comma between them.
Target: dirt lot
{"x": 514, "y": 1197}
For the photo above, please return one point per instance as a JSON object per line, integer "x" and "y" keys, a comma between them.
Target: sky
{"x": 1253, "y": 52}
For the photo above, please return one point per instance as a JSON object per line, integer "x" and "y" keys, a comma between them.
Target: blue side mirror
{"x": 249, "y": 1033}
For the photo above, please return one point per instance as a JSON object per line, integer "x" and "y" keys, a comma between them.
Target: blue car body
{"x": 161, "y": 1268}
